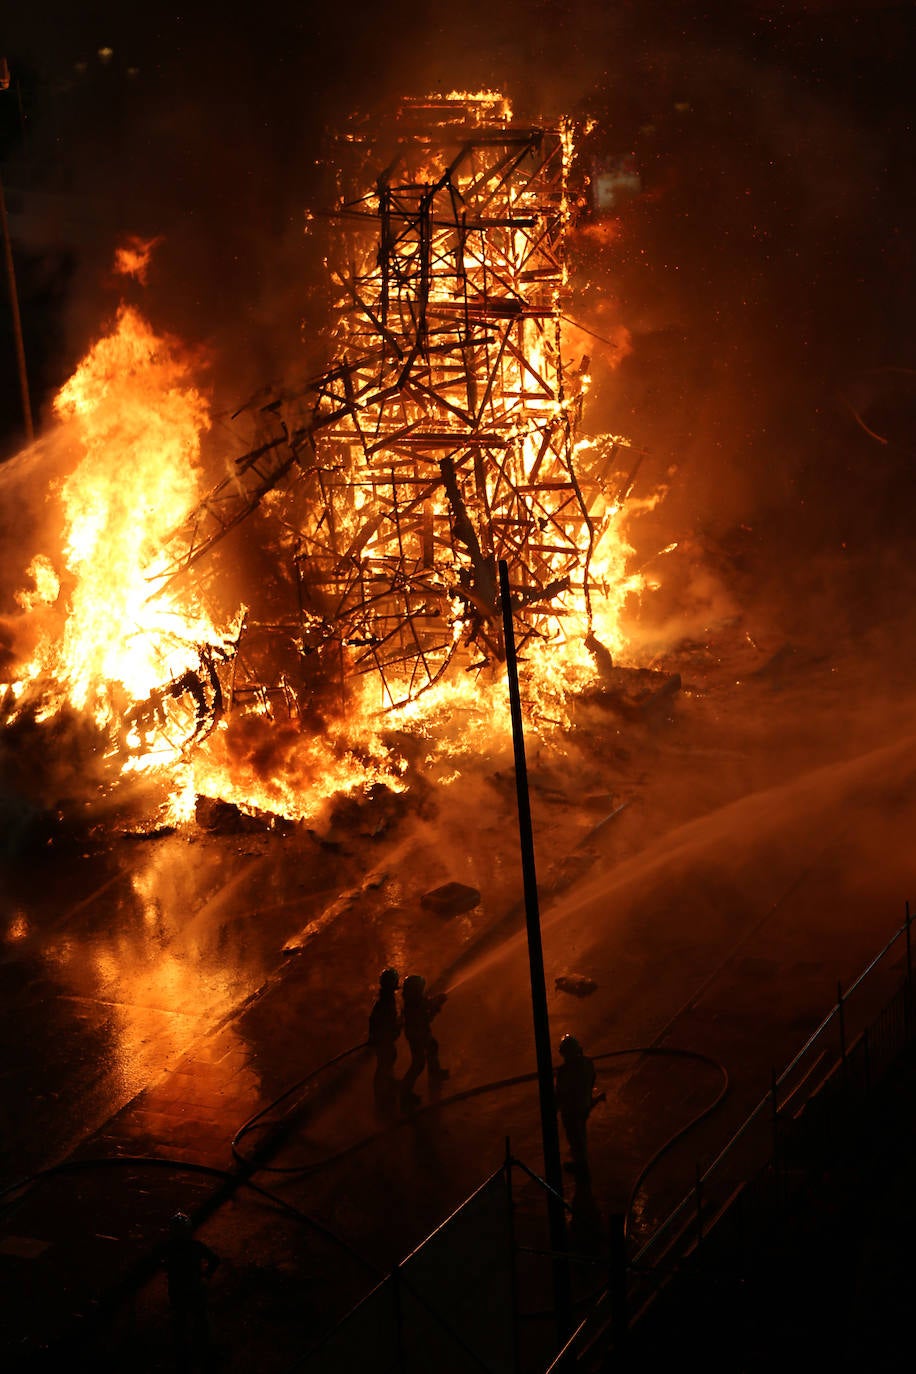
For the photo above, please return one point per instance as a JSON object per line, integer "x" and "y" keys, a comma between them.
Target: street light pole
{"x": 14, "y": 294}
{"x": 550, "y": 1135}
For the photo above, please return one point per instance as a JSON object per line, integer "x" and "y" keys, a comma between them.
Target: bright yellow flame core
{"x": 138, "y": 423}
{"x": 47, "y": 584}
{"x": 278, "y": 767}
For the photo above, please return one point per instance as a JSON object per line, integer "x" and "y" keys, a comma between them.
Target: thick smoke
{"x": 751, "y": 274}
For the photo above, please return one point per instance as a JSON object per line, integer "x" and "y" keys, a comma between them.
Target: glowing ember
{"x": 47, "y": 585}
{"x": 133, "y": 258}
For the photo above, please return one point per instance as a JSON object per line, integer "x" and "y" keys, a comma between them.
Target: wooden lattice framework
{"x": 441, "y": 441}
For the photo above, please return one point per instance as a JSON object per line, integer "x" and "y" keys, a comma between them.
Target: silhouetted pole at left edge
{"x": 550, "y": 1135}
{"x": 14, "y": 294}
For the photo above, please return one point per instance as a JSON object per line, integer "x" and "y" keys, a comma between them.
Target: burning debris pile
{"x": 443, "y": 438}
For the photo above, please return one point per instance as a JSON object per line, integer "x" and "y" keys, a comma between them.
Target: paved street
{"x": 162, "y": 990}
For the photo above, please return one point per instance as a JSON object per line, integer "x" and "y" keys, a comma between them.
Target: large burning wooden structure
{"x": 443, "y": 436}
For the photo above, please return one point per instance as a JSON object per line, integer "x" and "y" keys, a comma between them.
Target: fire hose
{"x": 251, "y": 1164}
{"x": 142, "y": 1270}
{"x": 313, "y": 1166}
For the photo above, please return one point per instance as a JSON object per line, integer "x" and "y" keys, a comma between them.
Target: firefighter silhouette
{"x": 384, "y": 1030}
{"x": 575, "y": 1093}
{"x": 419, "y": 1011}
{"x": 189, "y": 1263}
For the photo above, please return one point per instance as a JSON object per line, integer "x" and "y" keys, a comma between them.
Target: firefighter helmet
{"x": 414, "y": 987}
{"x": 389, "y": 978}
{"x": 570, "y": 1047}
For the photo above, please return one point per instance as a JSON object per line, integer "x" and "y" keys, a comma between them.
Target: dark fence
{"x": 447, "y": 1307}
{"x": 794, "y": 1130}
{"x": 476, "y": 1297}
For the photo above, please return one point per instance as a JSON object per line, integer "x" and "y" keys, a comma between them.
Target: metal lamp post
{"x": 550, "y": 1135}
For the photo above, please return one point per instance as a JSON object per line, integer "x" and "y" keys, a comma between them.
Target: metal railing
{"x": 792, "y": 1126}
{"x": 795, "y": 1122}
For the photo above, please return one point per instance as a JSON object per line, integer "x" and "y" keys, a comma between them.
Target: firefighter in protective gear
{"x": 384, "y": 1029}
{"x": 419, "y": 1011}
{"x": 575, "y": 1088}
{"x": 188, "y": 1265}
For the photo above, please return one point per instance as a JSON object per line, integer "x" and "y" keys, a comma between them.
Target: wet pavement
{"x": 161, "y": 991}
